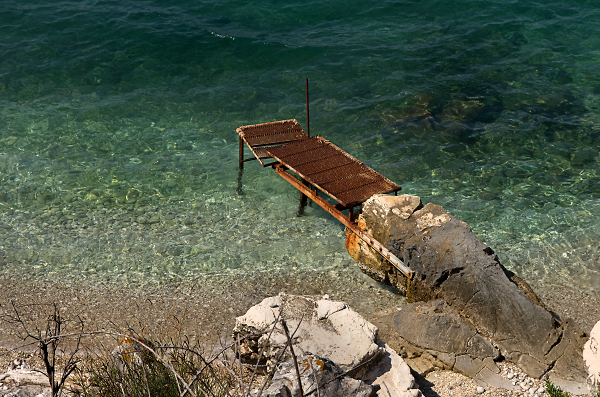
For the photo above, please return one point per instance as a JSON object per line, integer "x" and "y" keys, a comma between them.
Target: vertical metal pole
{"x": 307, "y": 117}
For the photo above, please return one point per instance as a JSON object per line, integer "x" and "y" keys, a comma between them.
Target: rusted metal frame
{"x": 256, "y": 156}
{"x": 393, "y": 259}
{"x": 276, "y": 143}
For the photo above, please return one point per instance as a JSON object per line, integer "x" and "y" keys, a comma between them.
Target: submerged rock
{"x": 453, "y": 265}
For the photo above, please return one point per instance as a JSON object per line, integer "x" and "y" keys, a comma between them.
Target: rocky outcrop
{"x": 453, "y": 265}
{"x": 591, "y": 358}
{"x": 322, "y": 328}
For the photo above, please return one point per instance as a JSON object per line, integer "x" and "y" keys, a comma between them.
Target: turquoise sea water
{"x": 118, "y": 151}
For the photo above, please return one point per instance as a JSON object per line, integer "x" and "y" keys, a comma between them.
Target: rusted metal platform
{"x": 321, "y": 166}
{"x": 259, "y": 137}
{"x": 331, "y": 170}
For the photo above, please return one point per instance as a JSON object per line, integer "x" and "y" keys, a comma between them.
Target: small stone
{"x": 533, "y": 390}
{"x": 273, "y": 304}
{"x": 480, "y": 390}
{"x": 510, "y": 376}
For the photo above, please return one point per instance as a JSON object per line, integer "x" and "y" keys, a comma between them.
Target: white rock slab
{"x": 25, "y": 377}
{"x": 323, "y": 327}
{"x": 591, "y": 359}
{"x": 329, "y": 329}
{"x": 393, "y": 376}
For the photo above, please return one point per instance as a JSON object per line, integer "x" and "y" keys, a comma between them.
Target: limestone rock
{"x": 392, "y": 375}
{"x": 320, "y": 326}
{"x": 316, "y": 373}
{"x": 25, "y": 377}
{"x": 452, "y": 264}
{"x": 567, "y": 370}
{"x": 437, "y": 327}
{"x": 591, "y": 358}
{"x": 17, "y": 392}
{"x": 377, "y": 224}
{"x": 451, "y": 341}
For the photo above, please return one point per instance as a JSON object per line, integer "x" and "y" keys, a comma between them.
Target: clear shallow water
{"x": 118, "y": 151}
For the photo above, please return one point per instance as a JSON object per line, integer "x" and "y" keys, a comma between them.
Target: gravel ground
{"x": 206, "y": 307}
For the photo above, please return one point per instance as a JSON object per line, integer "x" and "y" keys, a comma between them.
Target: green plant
{"x": 555, "y": 391}
{"x": 148, "y": 368}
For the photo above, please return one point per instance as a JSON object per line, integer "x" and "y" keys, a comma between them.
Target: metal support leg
{"x": 241, "y": 154}
{"x": 303, "y": 201}
{"x": 240, "y": 187}
{"x": 240, "y": 190}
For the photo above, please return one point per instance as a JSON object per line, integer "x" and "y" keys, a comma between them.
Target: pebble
{"x": 480, "y": 390}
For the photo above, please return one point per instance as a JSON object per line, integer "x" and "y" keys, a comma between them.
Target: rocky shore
{"x": 204, "y": 307}
{"x": 209, "y": 305}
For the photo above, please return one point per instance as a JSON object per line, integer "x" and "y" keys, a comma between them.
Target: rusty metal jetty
{"x": 321, "y": 167}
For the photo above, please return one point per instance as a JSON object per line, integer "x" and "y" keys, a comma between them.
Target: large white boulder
{"x": 325, "y": 328}
{"x": 591, "y": 359}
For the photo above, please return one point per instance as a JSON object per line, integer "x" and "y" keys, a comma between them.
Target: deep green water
{"x": 118, "y": 151}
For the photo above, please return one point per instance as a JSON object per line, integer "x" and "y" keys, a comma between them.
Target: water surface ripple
{"x": 118, "y": 151}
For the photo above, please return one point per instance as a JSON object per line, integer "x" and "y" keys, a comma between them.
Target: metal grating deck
{"x": 333, "y": 171}
{"x": 322, "y": 166}
{"x": 259, "y": 136}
